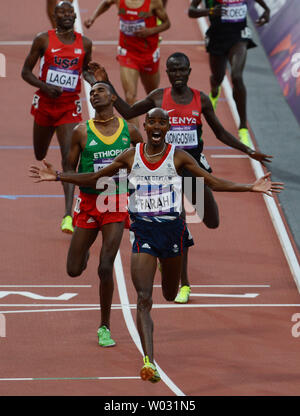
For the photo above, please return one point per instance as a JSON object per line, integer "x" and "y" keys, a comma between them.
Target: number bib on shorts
{"x": 234, "y": 12}
{"x": 184, "y": 137}
{"x": 129, "y": 27}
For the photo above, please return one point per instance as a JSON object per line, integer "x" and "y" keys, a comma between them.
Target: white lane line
{"x": 230, "y": 156}
{"x": 223, "y": 295}
{"x": 46, "y": 286}
{"x": 164, "y": 306}
{"x": 118, "y": 264}
{"x": 224, "y": 286}
{"x": 277, "y": 221}
{"x": 66, "y": 378}
{"x": 106, "y": 42}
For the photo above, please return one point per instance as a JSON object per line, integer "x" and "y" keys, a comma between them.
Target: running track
{"x": 233, "y": 338}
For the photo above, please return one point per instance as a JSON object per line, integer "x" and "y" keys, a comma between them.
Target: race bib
{"x": 234, "y": 12}
{"x": 65, "y": 78}
{"x": 35, "y": 101}
{"x": 154, "y": 200}
{"x": 77, "y": 205}
{"x": 184, "y": 137}
{"x": 129, "y": 27}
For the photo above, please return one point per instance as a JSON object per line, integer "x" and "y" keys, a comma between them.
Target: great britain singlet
{"x": 186, "y": 124}
{"x": 132, "y": 19}
{"x": 234, "y": 18}
{"x": 101, "y": 150}
{"x": 61, "y": 65}
{"x": 154, "y": 188}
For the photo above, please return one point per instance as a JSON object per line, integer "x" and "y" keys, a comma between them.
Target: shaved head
{"x": 158, "y": 112}
{"x": 62, "y": 3}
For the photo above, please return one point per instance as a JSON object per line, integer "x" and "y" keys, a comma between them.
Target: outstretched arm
{"x": 224, "y": 136}
{"x": 49, "y": 173}
{"x": 262, "y": 185}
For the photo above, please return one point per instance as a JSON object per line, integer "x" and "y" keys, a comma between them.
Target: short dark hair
{"x": 110, "y": 87}
{"x": 61, "y": 3}
{"x": 178, "y": 55}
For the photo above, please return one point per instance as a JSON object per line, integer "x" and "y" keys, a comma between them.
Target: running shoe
{"x": 183, "y": 294}
{"x": 214, "y": 100}
{"x": 66, "y": 225}
{"x": 104, "y": 338}
{"x": 149, "y": 371}
{"x": 244, "y": 137}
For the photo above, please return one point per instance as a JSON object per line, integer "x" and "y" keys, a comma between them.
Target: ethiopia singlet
{"x": 186, "y": 125}
{"x": 130, "y": 21}
{"x": 101, "y": 150}
{"x": 154, "y": 188}
{"x": 61, "y": 65}
{"x": 234, "y": 18}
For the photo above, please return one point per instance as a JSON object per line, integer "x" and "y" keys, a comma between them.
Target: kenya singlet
{"x": 186, "y": 124}
{"x": 61, "y": 65}
{"x": 101, "y": 150}
{"x": 154, "y": 188}
{"x": 130, "y": 21}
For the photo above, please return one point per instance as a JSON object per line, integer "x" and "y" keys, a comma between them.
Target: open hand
{"x": 265, "y": 186}
{"x": 261, "y": 157}
{"x": 46, "y": 173}
{"x": 98, "y": 71}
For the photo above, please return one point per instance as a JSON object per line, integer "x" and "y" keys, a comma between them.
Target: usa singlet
{"x": 61, "y": 65}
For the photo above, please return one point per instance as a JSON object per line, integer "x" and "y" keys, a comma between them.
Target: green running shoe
{"x": 66, "y": 225}
{"x": 245, "y": 137}
{"x": 149, "y": 371}
{"x": 183, "y": 294}
{"x": 104, "y": 338}
{"x": 214, "y": 100}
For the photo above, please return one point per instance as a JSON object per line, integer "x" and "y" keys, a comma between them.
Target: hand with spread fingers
{"x": 46, "y": 173}
{"x": 266, "y": 186}
{"x": 261, "y": 157}
{"x": 98, "y": 71}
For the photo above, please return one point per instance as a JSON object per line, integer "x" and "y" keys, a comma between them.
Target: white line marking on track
{"x": 223, "y": 295}
{"x": 224, "y": 286}
{"x": 107, "y": 42}
{"x": 118, "y": 263}
{"x": 165, "y": 306}
{"x": 230, "y": 156}
{"x": 48, "y": 286}
{"x": 67, "y": 378}
{"x": 258, "y": 170}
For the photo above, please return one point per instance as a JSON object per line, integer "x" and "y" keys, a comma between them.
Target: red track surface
{"x": 207, "y": 347}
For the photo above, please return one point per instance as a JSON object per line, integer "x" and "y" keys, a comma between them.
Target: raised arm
{"x": 87, "y": 75}
{"x": 103, "y": 6}
{"x": 263, "y": 185}
{"x": 224, "y": 136}
{"x": 154, "y": 99}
